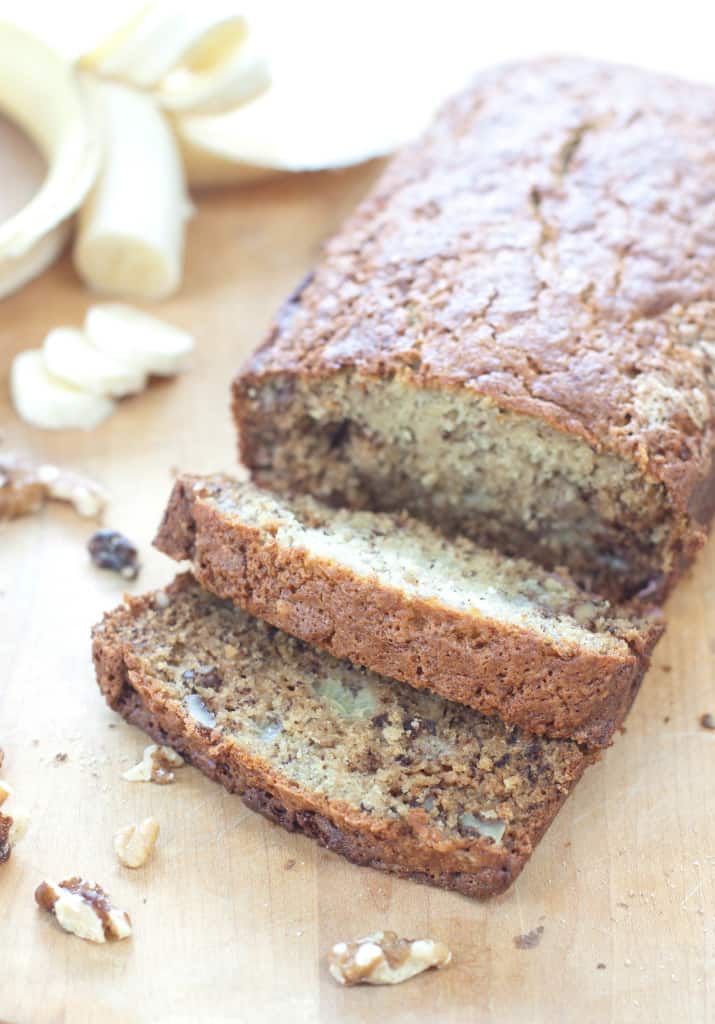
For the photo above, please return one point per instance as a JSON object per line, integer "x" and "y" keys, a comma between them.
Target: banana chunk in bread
{"x": 391, "y": 594}
{"x": 384, "y": 774}
{"x": 513, "y": 336}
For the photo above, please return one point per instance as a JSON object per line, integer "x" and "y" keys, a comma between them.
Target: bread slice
{"x": 384, "y": 774}
{"x": 391, "y": 594}
{"x": 513, "y": 336}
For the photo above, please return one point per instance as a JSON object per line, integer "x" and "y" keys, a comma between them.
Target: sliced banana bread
{"x": 391, "y": 594}
{"x": 513, "y": 335}
{"x": 384, "y": 774}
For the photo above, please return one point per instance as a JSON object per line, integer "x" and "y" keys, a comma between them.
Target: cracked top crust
{"x": 549, "y": 243}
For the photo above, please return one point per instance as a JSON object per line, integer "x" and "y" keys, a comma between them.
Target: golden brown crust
{"x": 407, "y": 847}
{"x": 562, "y": 691}
{"x": 549, "y": 244}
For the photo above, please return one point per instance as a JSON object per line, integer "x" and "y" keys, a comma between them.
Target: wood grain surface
{"x": 233, "y": 917}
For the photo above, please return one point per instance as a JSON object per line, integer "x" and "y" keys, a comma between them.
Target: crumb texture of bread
{"x": 387, "y": 775}
{"x": 393, "y": 595}
{"x": 513, "y": 335}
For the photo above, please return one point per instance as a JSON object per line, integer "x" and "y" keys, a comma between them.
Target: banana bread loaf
{"x": 513, "y": 335}
{"x": 391, "y": 594}
{"x": 384, "y": 774}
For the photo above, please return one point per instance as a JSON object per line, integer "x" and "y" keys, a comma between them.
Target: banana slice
{"x": 131, "y": 229}
{"x": 70, "y": 356}
{"x": 149, "y": 345}
{"x": 40, "y": 92}
{"x": 43, "y": 400}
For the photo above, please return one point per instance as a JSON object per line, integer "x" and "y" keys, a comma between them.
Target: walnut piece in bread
{"x": 384, "y": 959}
{"x": 84, "y": 909}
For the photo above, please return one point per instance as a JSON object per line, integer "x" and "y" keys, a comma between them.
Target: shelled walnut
{"x": 156, "y": 765}
{"x": 84, "y": 909}
{"x": 384, "y": 959}
{"x": 135, "y": 844}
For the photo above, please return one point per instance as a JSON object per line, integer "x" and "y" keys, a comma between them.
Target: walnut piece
{"x": 5, "y": 844}
{"x": 135, "y": 844}
{"x": 12, "y": 827}
{"x": 25, "y": 487}
{"x": 84, "y": 909}
{"x": 19, "y": 827}
{"x": 155, "y": 766}
{"x": 384, "y": 959}
{"x": 198, "y": 710}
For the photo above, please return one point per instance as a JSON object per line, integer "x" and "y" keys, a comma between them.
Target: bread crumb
{"x": 529, "y": 940}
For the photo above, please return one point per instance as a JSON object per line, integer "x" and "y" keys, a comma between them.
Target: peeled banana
{"x": 182, "y": 92}
{"x": 164, "y": 36}
{"x": 193, "y": 57}
{"x": 130, "y": 239}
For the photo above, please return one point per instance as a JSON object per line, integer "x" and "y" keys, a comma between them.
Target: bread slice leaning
{"x": 389, "y": 593}
{"x": 386, "y": 775}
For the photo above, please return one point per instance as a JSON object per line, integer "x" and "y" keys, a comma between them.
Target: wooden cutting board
{"x": 233, "y": 917}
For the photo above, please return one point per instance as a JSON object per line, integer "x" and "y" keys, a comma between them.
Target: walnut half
{"x": 384, "y": 959}
{"x": 25, "y": 487}
{"x": 84, "y": 909}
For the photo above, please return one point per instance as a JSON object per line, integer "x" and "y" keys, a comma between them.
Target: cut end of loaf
{"x": 458, "y": 460}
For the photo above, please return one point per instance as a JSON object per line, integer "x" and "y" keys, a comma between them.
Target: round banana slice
{"x": 43, "y": 400}
{"x": 70, "y": 356}
{"x": 149, "y": 345}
